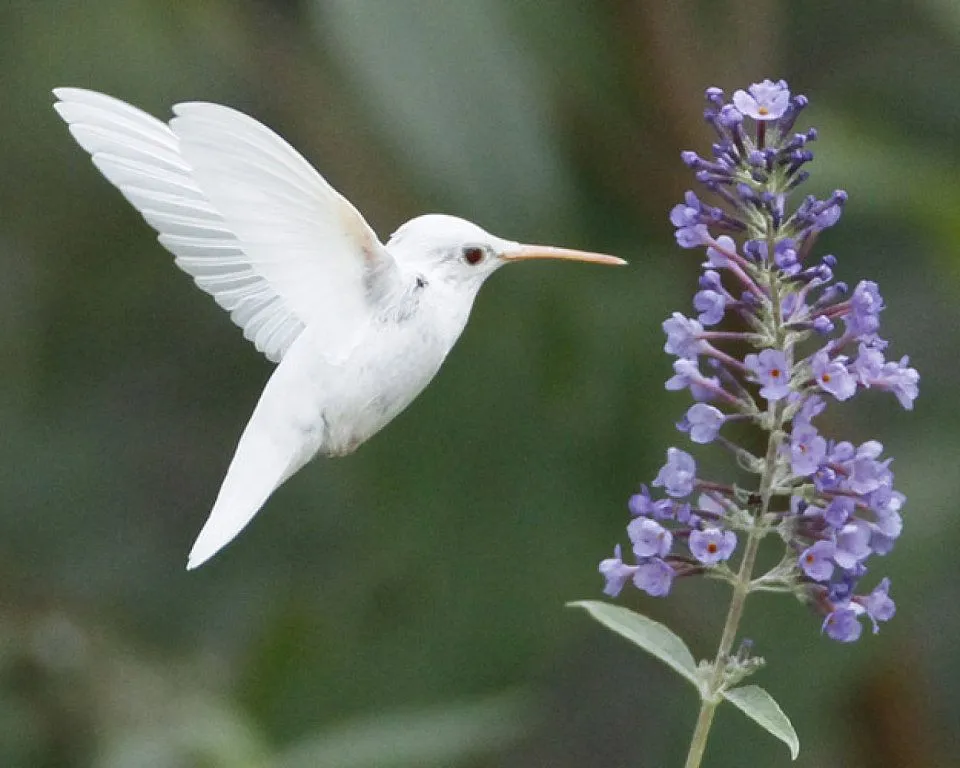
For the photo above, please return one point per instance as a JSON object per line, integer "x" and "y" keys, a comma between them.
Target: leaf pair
{"x": 659, "y": 641}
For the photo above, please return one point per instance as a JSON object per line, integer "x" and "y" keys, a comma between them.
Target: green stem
{"x": 712, "y": 699}
{"x": 713, "y": 694}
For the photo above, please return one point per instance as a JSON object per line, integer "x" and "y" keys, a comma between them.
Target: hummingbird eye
{"x": 473, "y": 255}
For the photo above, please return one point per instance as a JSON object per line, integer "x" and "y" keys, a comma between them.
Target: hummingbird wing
{"x": 244, "y": 214}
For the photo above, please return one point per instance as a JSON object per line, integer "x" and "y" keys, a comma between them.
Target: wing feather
{"x": 243, "y": 213}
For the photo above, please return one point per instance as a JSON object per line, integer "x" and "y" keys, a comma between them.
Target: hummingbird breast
{"x": 350, "y": 398}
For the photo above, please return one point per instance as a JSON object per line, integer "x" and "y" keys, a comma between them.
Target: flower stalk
{"x": 831, "y": 503}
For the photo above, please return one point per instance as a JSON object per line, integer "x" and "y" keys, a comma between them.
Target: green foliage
{"x": 665, "y": 645}
{"x": 760, "y": 707}
{"x": 653, "y": 637}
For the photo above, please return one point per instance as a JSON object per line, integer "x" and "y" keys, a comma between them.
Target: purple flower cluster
{"x": 793, "y": 340}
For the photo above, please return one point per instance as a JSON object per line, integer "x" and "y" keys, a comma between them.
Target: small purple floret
{"x": 832, "y": 375}
{"x": 654, "y": 577}
{"x": 817, "y": 561}
{"x": 865, "y": 306}
{"x": 852, "y": 544}
{"x": 717, "y": 252}
{"x": 772, "y": 373}
{"x": 649, "y": 538}
{"x": 878, "y": 605}
{"x": 763, "y": 101}
{"x": 711, "y": 545}
{"x": 838, "y": 511}
{"x": 710, "y": 304}
{"x": 687, "y": 374}
{"x": 807, "y": 450}
{"x": 704, "y": 422}
{"x": 843, "y": 625}
{"x": 682, "y": 336}
{"x": 616, "y": 573}
{"x": 643, "y": 504}
{"x": 678, "y": 476}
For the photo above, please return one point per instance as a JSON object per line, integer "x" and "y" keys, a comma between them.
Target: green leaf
{"x": 650, "y": 635}
{"x": 760, "y": 707}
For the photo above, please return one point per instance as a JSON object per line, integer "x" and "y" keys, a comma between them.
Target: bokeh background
{"x": 404, "y": 606}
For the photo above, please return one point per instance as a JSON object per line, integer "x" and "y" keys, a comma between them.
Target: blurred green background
{"x": 404, "y": 606}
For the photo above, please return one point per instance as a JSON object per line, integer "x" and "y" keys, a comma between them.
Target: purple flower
{"x": 756, "y": 251}
{"x": 687, "y": 213}
{"x": 730, "y": 116}
{"x": 823, "y": 325}
{"x": 785, "y": 257}
{"x": 714, "y": 95}
{"x": 812, "y": 407}
{"x": 807, "y": 450}
{"x": 839, "y": 510}
{"x": 833, "y": 376}
{"x": 710, "y": 304}
{"x": 869, "y": 363}
{"x": 649, "y": 538}
{"x": 842, "y": 625}
{"x": 616, "y": 573}
{"x": 862, "y": 319}
{"x": 691, "y": 237}
{"x": 684, "y": 515}
{"x": 642, "y": 504}
{"x": 763, "y": 101}
{"x": 678, "y": 475}
{"x": 874, "y": 371}
{"x": 828, "y": 216}
{"x": 878, "y": 605}
{"x": 852, "y": 544}
{"x": 687, "y": 374}
{"x": 840, "y": 592}
{"x": 880, "y": 544}
{"x": 900, "y": 379}
{"x": 886, "y": 504}
{"x": 703, "y": 422}
{"x": 711, "y": 545}
{"x": 717, "y": 253}
{"x": 866, "y": 473}
{"x": 654, "y": 577}
{"x": 885, "y": 501}
{"x": 816, "y": 561}
{"x": 682, "y": 336}
{"x": 842, "y": 452}
{"x": 710, "y": 280}
{"x": 772, "y": 372}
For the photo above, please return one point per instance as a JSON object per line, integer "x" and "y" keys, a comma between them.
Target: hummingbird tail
{"x": 258, "y": 468}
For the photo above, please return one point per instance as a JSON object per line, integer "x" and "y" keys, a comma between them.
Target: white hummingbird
{"x": 358, "y": 328}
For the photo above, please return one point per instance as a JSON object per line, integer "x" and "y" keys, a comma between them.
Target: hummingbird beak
{"x": 524, "y": 252}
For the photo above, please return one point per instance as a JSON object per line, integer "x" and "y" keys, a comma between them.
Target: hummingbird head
{"x": 459, "y": 253}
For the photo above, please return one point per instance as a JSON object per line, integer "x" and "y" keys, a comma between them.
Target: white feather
{"x": 284, "y": 433}
{"x": 254, "y": 224}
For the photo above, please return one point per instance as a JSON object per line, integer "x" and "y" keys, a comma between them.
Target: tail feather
{"x": 265, "y": 458}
